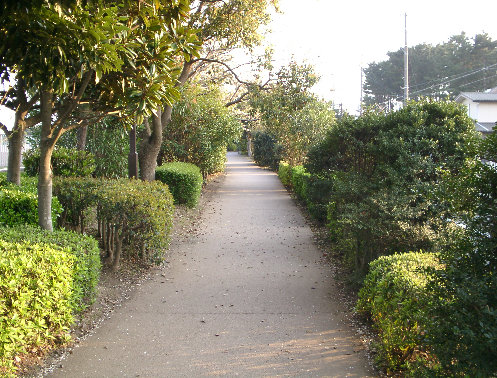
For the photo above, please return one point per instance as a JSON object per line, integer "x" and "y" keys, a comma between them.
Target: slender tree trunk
{"x": 82, "y": 134}
{"x": 118, "y": 252}
{"x": 152, "y": 138}
{"x": 16, "y": 140}
{"x": 47, "y": 145}
{"x": 150, "y": 148}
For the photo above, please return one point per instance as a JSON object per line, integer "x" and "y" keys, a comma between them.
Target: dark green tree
{"x": 441, "y": 71}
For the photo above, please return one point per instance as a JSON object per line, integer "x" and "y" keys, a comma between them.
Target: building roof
{"x": 485, "y": 127}
{"x": 477, "y": 96}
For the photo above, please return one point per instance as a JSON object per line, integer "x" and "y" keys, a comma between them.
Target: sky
{"x": 340, "y": 37}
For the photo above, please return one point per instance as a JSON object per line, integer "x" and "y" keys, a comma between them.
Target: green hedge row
{"x": 140, "y": 215}
{"x": 65, "y": 162}
{"x": 86, "y": 269}
{"x": 184, "y": 180}
{"x": 35, "y": 287}
{"x": 19, "y": 204}
{"x": 136, "y": 213}
{"x": 45, "y": 278}
{"x": 397, "y": 298}
{"x": 313, "y": 190}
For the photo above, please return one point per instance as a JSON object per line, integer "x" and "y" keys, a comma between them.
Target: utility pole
{"x": 406, "y": 64}
{"x": 360, "y": 106}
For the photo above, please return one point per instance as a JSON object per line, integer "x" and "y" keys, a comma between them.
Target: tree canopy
{"x": 441, "y": 71}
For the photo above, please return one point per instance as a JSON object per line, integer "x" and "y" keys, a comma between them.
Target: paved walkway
{"x": 248, "y": 297}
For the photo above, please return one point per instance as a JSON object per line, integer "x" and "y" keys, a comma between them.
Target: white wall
{"x": 4, "y": 151}
{"x": 487, "y": 112}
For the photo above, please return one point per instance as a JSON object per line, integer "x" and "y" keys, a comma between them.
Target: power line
{"x": 462, "y": 76}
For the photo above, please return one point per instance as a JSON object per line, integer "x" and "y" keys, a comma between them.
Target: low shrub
{"x": 184, "y": 181}
{"x": 299, "y": 182}
{"x": 19, "y": 205}
{"x": 285, "y": 173}
{"x": 77, "y": 195}
{"x": 313, "y": 190}
{"x": 65, "y": 162}
{"x": 267, "y": 151}
{"x": 84, "y": 249}
{"x": 136, "y": 213}
{"x": 396, "y": 298}
{"x": 35, "y": 291}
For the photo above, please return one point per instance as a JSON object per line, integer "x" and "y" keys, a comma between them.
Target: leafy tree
{"x": 465, "y": 315}
{"x": 441, "y": 71}
{"x": 385, "y": 170}
{"x": 64, "y": 49}
{"x": 223, "y": 25}
{"x": 200, "y": 129}
{"x": 290, "y": 113}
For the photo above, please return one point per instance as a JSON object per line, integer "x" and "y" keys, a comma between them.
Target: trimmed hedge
{"x": 35, "y": 291}
{"x": 313, "y": 190}
{"x": 135, "y": 213}
{"x": 86, "y": 267}
{"x": 65, "y": 162}
{"x": 396, "y": 297}
{"x": 140, "y": 215}
{"x": 19, "y": 205}
{"x": 285, "y": 173}
{"x": 77, "y": 195}
{"x": 184, "y": 181}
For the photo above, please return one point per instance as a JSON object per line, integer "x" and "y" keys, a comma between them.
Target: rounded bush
{"x": 86, "y": 267}
{"x": 184, "y": 181}
{"x": 396, "y": 297}
{"x": 18, "y": 206}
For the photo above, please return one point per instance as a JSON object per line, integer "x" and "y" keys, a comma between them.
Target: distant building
{"x": 4, "y": 150}
{"x": 482, "y": 107}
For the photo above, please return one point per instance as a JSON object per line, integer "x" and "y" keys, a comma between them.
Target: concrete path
{"x": 248, "y": 297}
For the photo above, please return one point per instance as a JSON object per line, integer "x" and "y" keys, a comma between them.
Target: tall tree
{"x": 58, "y": 51}
{"x": 291, "y": 113}
{"x": 223, "y": 26}
{"x": 441, "y": 71}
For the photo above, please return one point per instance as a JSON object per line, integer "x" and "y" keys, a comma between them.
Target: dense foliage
{"x": 65, "y": 162}
{"x": 441, "y": 71}
{"x": 291, "y": 114}
{"x": 35, "y": 287}
{"x": 78, "y": 196}
{"x": 131, "y": 213}
{"x": 397, "y": 298}
{"x": 266, "y": 150}
{"x": 184, "y": 181}
{"x": 19, "y": 204}
{"x": 200, "y": 130}
{"x": 84, "y": 249}
{"x": 464, "y": 335}
{"x": 385, "y": 170}
{"x": 315, "y": 191}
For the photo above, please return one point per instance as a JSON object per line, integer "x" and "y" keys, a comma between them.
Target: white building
{"x": 482, "y": 107}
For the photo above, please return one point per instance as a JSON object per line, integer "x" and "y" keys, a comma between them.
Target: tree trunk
{"x": 150, "y": 148}
{"x": 118, "y": 252}
{"x": 47, "y": 145}
{"x": 82, "y": 133}
{"x": 16, "y": 140}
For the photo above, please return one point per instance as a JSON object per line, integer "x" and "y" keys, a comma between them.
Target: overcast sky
{"x": 338, "y": 37}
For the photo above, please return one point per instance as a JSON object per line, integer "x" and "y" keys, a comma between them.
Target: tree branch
{"x": 225, "y": 65}
{"x": 5, "y": 130}
{"x": 73, "y": 102}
